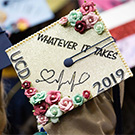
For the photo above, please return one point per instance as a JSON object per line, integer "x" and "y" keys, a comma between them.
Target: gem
{"x": 42, "y": 130}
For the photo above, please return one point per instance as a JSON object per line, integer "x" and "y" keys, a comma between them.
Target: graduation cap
{"x": 68, "y": 63}
{"x": 4, "y": 44}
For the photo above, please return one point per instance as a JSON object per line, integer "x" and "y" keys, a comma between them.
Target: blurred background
{"x": 21, "y": 18}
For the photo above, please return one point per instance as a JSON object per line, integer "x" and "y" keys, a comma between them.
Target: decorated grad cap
{"x": 4, "y": 44}
{"x": 68, "y": 63}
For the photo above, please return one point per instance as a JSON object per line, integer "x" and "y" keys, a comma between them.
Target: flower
{"x": 22, "y": 24}
{"x": 99, "y": 27}
{"x": 80, "y": 26}
{"x": 40, "y": 109}
{"x": 86, "y": 94}
{"x": 87, "y": 7}
{"x": 54, "y": 113}
{"x": 66, "y": 104}
{"x": 30, "y": 92}
{"x": 26, "y": 84}
{"x": 53, "y": 97}
{"x": 41, "y": 119}
{"x": 74, "y": 16}
{"x": 78, "y": 100}
{"x": 39, "y": 96}
{"x": 63, "y": 21}
{"x": 90, "y": 19}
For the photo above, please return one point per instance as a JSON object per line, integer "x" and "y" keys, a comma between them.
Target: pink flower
{"x": 80, "y": 26}
{"x": 90, "y": 19}
{"x": 63, "y": 21}
{"x": 40, "y": 109}
{"x": 87, "y": 7}
{"x": 30, "y": 92}
{"x": 42, "y": 119}
{"x": 53, "y": 97}
{"x": 66, "y": 104}
{"x": 26, "y": 84}
{"x": 86, "y": 94}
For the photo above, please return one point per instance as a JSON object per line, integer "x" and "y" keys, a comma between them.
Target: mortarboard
{"x": 4, "y": 44}
{"x": 68, "y": 63}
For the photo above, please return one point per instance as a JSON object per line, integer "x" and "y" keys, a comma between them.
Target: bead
{"x": 54, "y": 111}
{"x": 41, "y": 107}
{"x": 86, "y": 93}
{"x": 41, "y": 118}
{"x": 78, "y": 98}
{"x": 79, "y": 26}
{"x": 90, "y": 20}
{"x": 68, "y": 62}
{"x": 65, "y": 102}
{"x": 53, "y": 97}
{"x": 74, "y": 16}
{"x": 30, "y": 91}
{"x": 25, "y": 84}
{"x": 86, "y": 8}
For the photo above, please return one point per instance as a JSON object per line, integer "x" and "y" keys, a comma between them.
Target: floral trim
{"x": 51, "y": 105}
{"x": 83, "y": 19}
{"x": 99, "y": 27}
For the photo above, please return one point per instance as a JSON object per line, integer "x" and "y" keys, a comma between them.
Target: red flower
{"x": 26, "y": 84}
{"x": 30, "y": 92}
{"x": 87, "y": 8}
{"x": 53, "y": 97}
{"x": 40, "y": 109}
{"x": 86, "y": 94}
{"x": 80, "y": 26}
